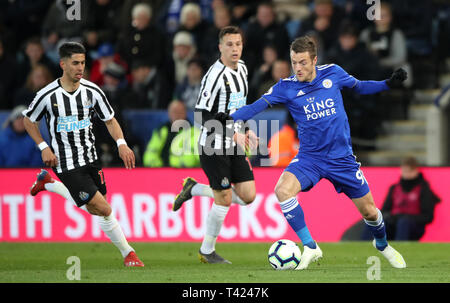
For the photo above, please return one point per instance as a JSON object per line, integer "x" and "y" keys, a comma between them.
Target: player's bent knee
{"x": 98, "y": 206}
{"x": 249, "y": 196}
{"x": 369, "y": 213}
{"x": 223, "y": 197}
{"x": 282, "y": 192}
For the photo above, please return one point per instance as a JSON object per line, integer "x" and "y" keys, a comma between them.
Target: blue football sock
{"x": 293, "y": 213}
{"x": 379, "y": 231}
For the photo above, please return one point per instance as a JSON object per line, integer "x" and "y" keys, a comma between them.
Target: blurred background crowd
{"x": 147, "y": 54}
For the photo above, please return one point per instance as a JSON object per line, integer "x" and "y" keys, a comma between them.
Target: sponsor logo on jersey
{"x": 319, "y": 109}
{"x": 237, "y": 100}
{"x": 71, "y": 123}
{"x": 300, "y": 93}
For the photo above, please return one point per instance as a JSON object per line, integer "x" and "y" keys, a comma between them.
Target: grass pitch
{"x": 179, "y": 263}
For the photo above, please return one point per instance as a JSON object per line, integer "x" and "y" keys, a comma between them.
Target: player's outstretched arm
{"x": 125, "y": 153}
{"x": 244, "y": 113}
{"x": 373, "y": 87}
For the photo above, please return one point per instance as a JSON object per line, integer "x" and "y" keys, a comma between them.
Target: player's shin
{"x": 293, "y": 213}
{"x": 112, "y": 229}
{"x": 214, "y": 222}
{"x": 206, "y": 191}
{"x": 378, "y": 230}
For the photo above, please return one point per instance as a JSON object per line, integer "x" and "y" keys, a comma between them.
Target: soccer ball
{"x": 284, "y": 254}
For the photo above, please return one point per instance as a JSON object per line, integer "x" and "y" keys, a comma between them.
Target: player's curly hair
{"x": 305, "y": 44}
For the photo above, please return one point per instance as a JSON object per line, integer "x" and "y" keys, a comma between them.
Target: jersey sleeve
{"x": 37, "y": 108}
{"x": 344, "y": 79}
{"x": 209, "y": 89}
{"x": 102, "y": 106}
{"x": 275, "y": 94}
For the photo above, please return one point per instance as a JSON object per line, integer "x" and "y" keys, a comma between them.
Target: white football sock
{"x": 112, "y": 229}
{"x": 109, "y": 224}
{"x": 60, "y": 189}
{"x": 202, "y": 190}
{"x": 206, "y": 191}
{"x": 214, "y": 222}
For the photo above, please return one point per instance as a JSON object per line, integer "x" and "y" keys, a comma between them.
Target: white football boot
{"x": 309, "y": 255}
{"x": 393, "y": 256}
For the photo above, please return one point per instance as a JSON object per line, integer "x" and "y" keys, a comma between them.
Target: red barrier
{"x": 142, "y": 201}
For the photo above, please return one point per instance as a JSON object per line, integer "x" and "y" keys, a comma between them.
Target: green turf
{"x": 178, "y": 262}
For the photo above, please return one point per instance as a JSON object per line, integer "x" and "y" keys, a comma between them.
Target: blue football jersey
{"x": 318, "y": 109}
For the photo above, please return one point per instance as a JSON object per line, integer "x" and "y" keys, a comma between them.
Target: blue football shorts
{"x": 344, "y": 173}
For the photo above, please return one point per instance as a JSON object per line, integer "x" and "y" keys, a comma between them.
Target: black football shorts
{"x": 223, "y": 170}
{"x": 84, "y": 182}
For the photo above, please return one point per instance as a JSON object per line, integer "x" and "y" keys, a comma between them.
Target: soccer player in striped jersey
{"x": 224, "y": 88}
{"x": 312, "y": 96}
{"x": 69, "y": 104}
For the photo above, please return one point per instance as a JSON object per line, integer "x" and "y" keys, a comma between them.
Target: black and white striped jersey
{"x": 223, "y": 89}
{"x": 69, "y": 119}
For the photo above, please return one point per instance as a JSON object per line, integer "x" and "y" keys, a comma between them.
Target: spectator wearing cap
{"x": 17, "y": 149}
{"x": 149, "y": 90}
{"x": 105, "y": 55}
{"x": 184, "y": 49}
{"x": 115, "y": 86}
{"x": 142, "y": 40}
{"x": 189, "y": 89}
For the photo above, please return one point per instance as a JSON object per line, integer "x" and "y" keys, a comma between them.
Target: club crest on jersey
{"x": 87, "y": 103}
{"x": 327, "y": 83}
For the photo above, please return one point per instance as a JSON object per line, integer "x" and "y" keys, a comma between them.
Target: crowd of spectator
{"x": 145, "y": 54}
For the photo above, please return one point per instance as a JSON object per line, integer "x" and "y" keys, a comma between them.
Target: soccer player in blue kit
{"x": 314, "y": 100}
